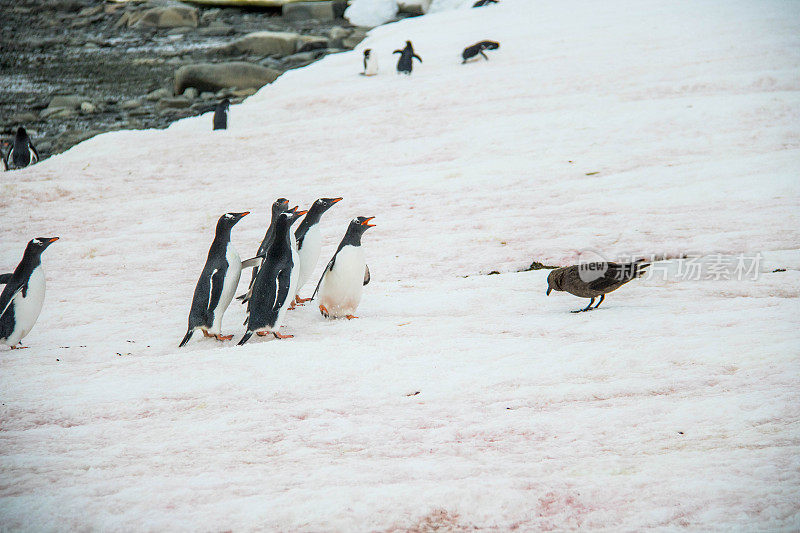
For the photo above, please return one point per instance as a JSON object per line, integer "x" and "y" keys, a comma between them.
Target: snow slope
{"x": 643, "y": 127}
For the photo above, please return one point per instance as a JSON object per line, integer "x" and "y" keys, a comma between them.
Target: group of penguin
{"x": 284, "y": 263}
{"x": 21, "y": 151}
{"x": 282, "y": 266}
{"x": 407, "y": 56}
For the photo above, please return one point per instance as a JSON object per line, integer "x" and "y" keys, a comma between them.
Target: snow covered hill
{"x": 458, "y": 400}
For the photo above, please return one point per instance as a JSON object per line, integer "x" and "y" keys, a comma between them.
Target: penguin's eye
{"x": 37, "y": 241}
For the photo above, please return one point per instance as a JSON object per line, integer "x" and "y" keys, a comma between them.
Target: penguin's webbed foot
{"x": 350, "y": 317}
{"x": 223, "y": 337}
{"x": 262, "y": 333}
{"x": 324, "y": 311}
{"x": 279, "y": 336}
{"x": 20, "y": 347}
{"x": 291, "y": 306}
{"x": 302, "y": 300}
{"x": 206, "y": 333}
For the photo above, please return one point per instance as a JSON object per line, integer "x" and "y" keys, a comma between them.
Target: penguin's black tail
{"x": 246, "y": 337}
{"x": 186, "y": 338}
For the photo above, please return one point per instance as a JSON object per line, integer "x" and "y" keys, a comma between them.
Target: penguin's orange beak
{"x": 245, "y": 213}
{"x": 366, "y": 223}
{"x": 301, "y": 212}
{"x": 337, "y": 199}
{"x": 53, "y": 239}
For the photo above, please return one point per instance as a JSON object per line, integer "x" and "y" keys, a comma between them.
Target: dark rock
{"x": 264, "y": 43}
{"x": 165, "y": 17}
{"x": 297, "y": 11}
{"x": 213, "y": 77}
{"x": 176, "y": 102}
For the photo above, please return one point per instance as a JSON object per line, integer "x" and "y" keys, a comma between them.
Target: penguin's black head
{"x": 290, "y": 216}
{"x": 361, "y": 224}
{"x": 279, "y": 206}
{"x": 323, "y": 204}
{"x": 228, "y": 220}
{"x": 21, "y": 133}
{"x": 225, "y": 104}
{"x": 490, "y": 45}
{"x": 367, "y": 52}
{"x": 554, "y": 280}
{"x": 409, "y": 45}
{"x": 39, "y": 244}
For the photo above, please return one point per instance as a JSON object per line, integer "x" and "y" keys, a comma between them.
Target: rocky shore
{"x": 75, "y": 68}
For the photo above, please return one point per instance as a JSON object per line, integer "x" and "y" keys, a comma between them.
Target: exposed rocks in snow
{"x": 165, "y": 17}
{"x": 216, "y": 76}
{"x": 309, "y": 10}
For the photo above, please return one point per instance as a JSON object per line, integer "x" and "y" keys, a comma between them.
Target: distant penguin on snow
{"x": 22, "y": 298}
{"x": 345, "y": 275}
{"x": 217, "y": 283}
{"x": 404, "y": 64}
{"x": 276, "y": 283}
{"x": 221, "y": 115}
{"x": 481, "y": 3}
{"x": 309, "y": 241}
{"x": 478, "y": 48}
{"x": 23, "y": 153}
{"x": 370, "y": 63}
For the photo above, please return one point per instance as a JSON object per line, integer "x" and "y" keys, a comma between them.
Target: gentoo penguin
{"x": 309, "y": 241}
{"x": 590, "y": 280}
{"x": 23, "y": 295}
{"x": 370, "y": 63}
{"x": 217, "y": 283}
{"x": 276, "y": 283}
{"x": 345, "y": 275}
{"x": 23, "y": 153}
{"x": 478, "y": 48}
{"x": 406, "y": 56}
{"x": 221, "y": 115}
{"x": 281, "y": 205}
{"x": 481, "y": 3}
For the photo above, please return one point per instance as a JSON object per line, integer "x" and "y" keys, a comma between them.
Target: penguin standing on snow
{"x": 281, "y": 205}
{"x": 345, "y": 275}
{"x": 221, "y": 115}
{"x": 478, "y": 48}
{"x": 406, "y": 56}
{"x": 217, "y": 283}
{"x": 23, "y": 295}
{"x": 309, "y": 241}
{"x": 276, "y": 283}
{"x": 23, "y": 153}
{"x": 370, "y": 63}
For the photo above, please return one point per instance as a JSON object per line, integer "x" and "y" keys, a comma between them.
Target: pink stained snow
{"x": 675, "y": 405}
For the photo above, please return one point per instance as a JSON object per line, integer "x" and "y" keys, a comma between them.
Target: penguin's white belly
{"x": 341, "y": 289}
{"x": 372, "y": 66}
{"x": 232, "y": 275}
{"x": 309, "y": 255}
{"x": 27, "y": 308}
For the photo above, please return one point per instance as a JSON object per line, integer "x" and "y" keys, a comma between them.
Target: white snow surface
{"x": 676, "y": 405}
{"x": 371, "y": 13}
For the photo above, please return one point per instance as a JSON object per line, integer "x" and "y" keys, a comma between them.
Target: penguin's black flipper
{"x": 327, "y": 268}
{"x": 246, "y": 337}
{"x": 186, "y": 338}
{"x": 5, "y": 278}
{"x": 397, "y": 52}
{"x": 419, "y": 58}
{"x": 252, "y": 262}
{"x": 366, "y": 275}
{"x": 217, "y": 280}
